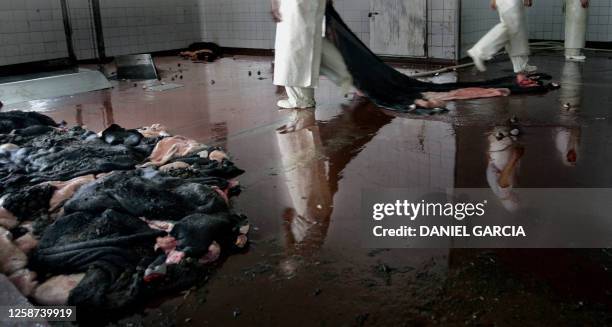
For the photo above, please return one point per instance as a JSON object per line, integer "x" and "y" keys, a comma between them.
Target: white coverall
{"x": 575, "y": 29}
{"x": 302, "y": 54}
{"x": 511, "y": 32}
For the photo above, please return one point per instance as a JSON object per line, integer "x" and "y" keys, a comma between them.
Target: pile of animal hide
{"x": 104, "y": 221}
{"x": 202, "y": 52}
{"x": 391, "y": 89}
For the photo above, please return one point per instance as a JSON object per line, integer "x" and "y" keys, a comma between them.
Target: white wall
{"x": 546, "y": 21}
{"x": 82, "y": 30}
{"x": 140, "y": 26}
{"x": 135, "y": 26}
{"x": 31, "y": 30}
{"x": 443, "y": 28}
{"x": 237, "y": 23}
{"x": 476, "y": 19}
{"x": 247, "y": 24}
{"x": 600, "y": 21}
{"x": 355, "y": 14}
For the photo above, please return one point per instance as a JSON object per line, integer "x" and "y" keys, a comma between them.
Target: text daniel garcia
{"x": 450, "y": 231}
{"x": 458, "y": 211}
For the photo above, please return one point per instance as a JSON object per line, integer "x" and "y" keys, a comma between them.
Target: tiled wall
{"x": 442, "y": 33}
{"x": 240, "y": 23}
{"x": 31, "y": 30}
{"x": 476, "y": 20}
{"x": 236, "y": 23}
{"x": 355, "y": 14}
{"x": 600, "y": 21}
{"x": 82, "y": 28}
{"x": 441, "y": 30}
{"x": 546, "y": 21}
{"x": 135, "y": 26}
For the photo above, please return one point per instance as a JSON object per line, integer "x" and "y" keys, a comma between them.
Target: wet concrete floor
{"x": 302, "y": 189}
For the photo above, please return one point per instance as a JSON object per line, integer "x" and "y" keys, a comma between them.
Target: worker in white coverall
{"x": 510, "y": 33}
{"x": 575, "y": 28}
{"x": 302, "y": 53}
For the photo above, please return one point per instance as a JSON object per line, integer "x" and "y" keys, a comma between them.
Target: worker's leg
{"x": 521, "y": 64}
{"x": 575, "y": 30}
{"x": 515, "y": 20}
{"x": 518, "y": 50}
{"x": 489, "y": 45}
{"x": 299, "y": 97}
{"x": 334, "y": 67}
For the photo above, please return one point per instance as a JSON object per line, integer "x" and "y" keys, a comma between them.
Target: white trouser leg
{"x": 300, "y": 97}
{"x": 518, "y": 38}
{"x": 575, "y": 28}
{"x": 519, "y": 63}
{"x": 491, "y": 43}
{"x": 515, "y": 19}
{"x": 511, "y": 32}
{"x": 334, "y": 67}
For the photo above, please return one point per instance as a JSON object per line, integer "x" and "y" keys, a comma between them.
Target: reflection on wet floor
{"x": 306, "y": 171}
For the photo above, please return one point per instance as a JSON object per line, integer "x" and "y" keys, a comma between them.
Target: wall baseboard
{"x": 63, "y": 63}
{"x": 37, "y": 67}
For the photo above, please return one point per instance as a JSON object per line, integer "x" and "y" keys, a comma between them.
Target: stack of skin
{"x": 104, "y": 221}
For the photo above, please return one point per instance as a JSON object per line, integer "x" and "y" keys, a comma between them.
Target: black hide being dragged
{"x": 387, "y": 87}
{"x": 108, "y": 228}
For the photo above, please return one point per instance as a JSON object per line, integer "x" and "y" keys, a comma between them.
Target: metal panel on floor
{"x": 136, "y": 67}
{"x": 53, "y": 86}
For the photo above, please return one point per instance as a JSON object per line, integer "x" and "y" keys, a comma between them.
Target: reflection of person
{"x": 301, "y": 52}
{"x": 307, "y": 221}
{"x": 504, "y": 158}
{"x": 567, "y": 141}
{"x": 108, "y": 114}
{"x": 79, "y": 115}
{"x": 570, "y": 95}
{"x": 511, "y": 33}
{"x": 575, "y": 28}
{"x": 567, "y": 136}
{"x": 314, "y": 157}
